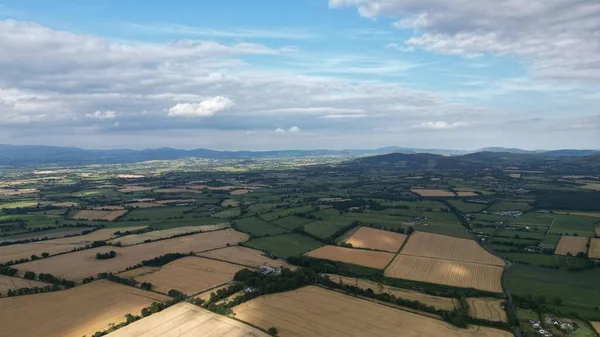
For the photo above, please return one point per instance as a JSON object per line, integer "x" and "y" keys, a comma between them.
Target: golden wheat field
{"x": 74, "y": 312}
{"x": 166, "y": 233}
{"x": 596, "y": 326}
{"x": 57, "y": 246}
{"x": 79, "y": 265}
{"x": 441, "y": 303}
{"x": 571, "y": 245}
{"x": 432, "y": 193}
{"x": 190, "y": 275}
{"x": 451, "y": 273}
{"x": 239, "y": 192}
{"x": 230, "y": 202}
{"x": 185, "y": 319}
{"x": 92, "y": 215}
{"x": 11, "y": 283}
{"x": 372, "y": 238}
{"x": 314, "y": 311}
{"x": 373, "y": 259}
{"x": 594, "y": 252}
{"x": 487, "y": 308}
{"x": 449, "y": 248}
{"x": 137, "y": 272}
{"x": 245, "y": 256}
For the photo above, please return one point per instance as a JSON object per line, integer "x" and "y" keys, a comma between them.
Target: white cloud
{"x": 440, "y": 125}
{"x": 343, "y": 116}
{"x": 294, "y": 129}
{"x": 205, "y": 108}
{"x": 279, "y": 130}
{"x": 109, "y": 114}
{"x": 177, "y": 29}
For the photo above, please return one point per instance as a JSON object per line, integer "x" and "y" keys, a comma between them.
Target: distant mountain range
{"x": 24, "y": 154}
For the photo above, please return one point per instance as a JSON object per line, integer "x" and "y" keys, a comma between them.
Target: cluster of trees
{"x": 110, "y": 255}
{"x": 49, "y": 278}
{"x": 138, "y": 231}
{"x": 117, "y": 279}
{"x": 34, "y": 290}
{"x": 164, "y": 259}
{"x": 8, "y": 271}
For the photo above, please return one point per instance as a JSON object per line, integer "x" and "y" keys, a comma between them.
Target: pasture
{"x": 489, "y": 309}
{"x": 291, "y": 222}
{"x": 377, "y": 239}
{"x": 361, "y": 257}
{"x": 186, "y": 319}
{"x": 257, "y": 227}
{"x": 245, "y": 256}
{"x": 314, "y": 311}
{"x": 572, "y": 245}
{"x": 451, "y": 273}
{"x": 92, "y": 215}
{"x": 75, "y": 312}
{"x": 449, "y": 248}
{"x": 190, "y": 275}
{"x": 285, "y": 245}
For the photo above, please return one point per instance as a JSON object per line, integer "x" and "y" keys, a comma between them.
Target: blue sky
{"x": 300, "y": 74}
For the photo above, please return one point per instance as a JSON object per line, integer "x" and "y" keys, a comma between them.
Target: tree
{"x": 410, "y": 230}
{"x": 29, "y": 275}
{"x": 45, "y": 254}
{"x": 272, "y": 331}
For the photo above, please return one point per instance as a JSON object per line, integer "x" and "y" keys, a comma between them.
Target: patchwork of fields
{"x": 372, "y": 259}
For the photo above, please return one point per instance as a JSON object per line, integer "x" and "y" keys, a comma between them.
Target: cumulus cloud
{"x": 561, "y": 38}
{"x": 204, "y": 108}
{"x": 279, "y": 130}
{"x": 294, "y": 129}
{"x": 440, "y": 125}
{"x": 102, "y": 115}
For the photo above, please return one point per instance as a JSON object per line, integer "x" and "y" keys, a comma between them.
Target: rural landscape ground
{"x": 484, "y": 244}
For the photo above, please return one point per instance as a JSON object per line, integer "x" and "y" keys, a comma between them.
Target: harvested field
{"x": 432, "y": 193}
{"x": 596, "y": 326}
{"x": 190, "y": 275}
{"x": 57, "y": 246}
{"x": 245, "y": 256}
{"x": 230, "y": 202}
{"x": 78, "y": 265}
{"x": 314, "y": 311}
{"x": 240, "y": 192}
{"x": 487, "y": 308}
{"x": 11, "y": 283}
{"x": 49, "y": 234}
{"x": 451, "y": 273}
{"x": 377, "y": 260}
{"x": 571, "y": 245}
{"x": 597, "y": 229}
{"x": 17, "y": 192}
{"x": 133, "y": 239}
{"x": 594, "y": 252}
{"x": 137, "y": 272}
{"x": 186, "y": 319}
{"x": 131, "y": 189}
{"x": 466, "y": 194}
{"x": 130, "y": 176}
{"x": 449, "y": 248}
{"x": 75, "y": 312}
{"x": 372, "y": 238}
{"x": 92, "y": 215}
{"x": 441, "y": 303}
{"x": 591, "y": 186}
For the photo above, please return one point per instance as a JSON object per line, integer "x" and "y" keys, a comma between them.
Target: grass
{"x": 509, "y": 206}
{"x": 579, "y": 289}
{"x": 573, "y": 224}
{"x": 258, "y": 227}
{"x": 537, "y": 235}
{"x": 325, "y": 228}
{"x": 467, "y": 207}
{"x": 281, "y": 213}
{"x": 550, "y": 241}
{"x": 524, "y": 316}
{"x": 285, "y": 245}
{"x": 291, "y": 222}
{"x": 159, "y": 213}
{"x": 228, "y": 213}
{"x": 19, "y": 204}
{"x": 545, "y": 260}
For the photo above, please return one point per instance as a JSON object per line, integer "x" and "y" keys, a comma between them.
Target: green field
{"x": 550, "y": 241}
{"x": 467, "y": 207}
{"x": 509, "y": 206}
{"x": 19, "y": 204}
{"x": 258, "y": 227}
{"x": 291, "y": 222}
{"x": 157, "y": 213}
{"x": 284, "y": 245}
{"x": 281, "y": 213}
{"x": 325, "y": 228}
{"x": 228, "y": 213}
{"x": 548, "y": 260}
{"x": 573, "y": 225}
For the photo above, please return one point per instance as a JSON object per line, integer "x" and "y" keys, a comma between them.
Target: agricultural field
{"x": 594, "y": 252}
{"x": 98, "y": 215}
{"x": 257, "y": 227}
{"x": 133, "y": 239}
{"x": 185, "y": 319}
{"x": 230, "y": 203}
{"x": 489, "y": 309}
{"x": 326, "y": 228}
{"x": 441, "y": 303}
{"x": 449, "y": 248}
{"x": 572, "y": 245}
{"x": 451, "y": 273}
{"x": 291, "y": 222}
{"x": 78, "y": 265}
{"x": 190, "y": 275}
{"x": 467, "y": 207}
{"x": 56, "y": 233}
{"x": 284, "y": 246}
{"x": 547, "y": 260}
{"x": 596, "y": 326}
{"x": 75, "y": 312}
{"x": 245, "y": 256}
{"x": 509, "y": 206}
{"x": 377, "y": 239}
{"x": 313, "y": 311}
{"x": 361, "y": 257}
{"x": 12, "y": 283}
{"x": 432, "y": 193}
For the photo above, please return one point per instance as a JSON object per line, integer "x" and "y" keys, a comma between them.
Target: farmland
{"x": 244, "y": 256}
{"x": 284, "y": 245}
{"x": 432, "y": 193}
{"x": 594, "y": 252}
{"x": 572, "y": 245}
{"x": 312, "y": 311}
{"x": 89, "y": 308}
{"x": 449, "y": 248}
{"x": 372, "y": 259}
{"x": 110, "y": 215}
{"x": 190, "y": 275}
{"x": 451, "y": 273}
{"x": 487, "y": 308}
{"x": 184, "y": 320}
{"x": 12, "y": 283}
{"x": 377, "y": 239}
{"x": 165, "y": 233}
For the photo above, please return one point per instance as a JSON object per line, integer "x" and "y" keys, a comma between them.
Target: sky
{"x": 300, "y": 74}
